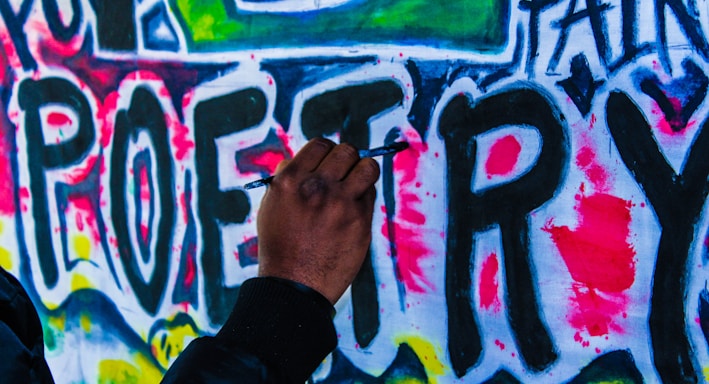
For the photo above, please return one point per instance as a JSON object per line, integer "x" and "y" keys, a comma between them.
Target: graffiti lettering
{"x": 346, "y": 111}
{"x": 596, "y": 13}
{"x": 511, "y": 242}
{"x": 665, "y": 189}
{"x": 31, "y": 97}
{"x": 216, "y": 118}
{"x": 144, "y": 115}
{"x": 507, "y": 206}
{"x": 14, "y": 22}
{"x": 115, "y": 24}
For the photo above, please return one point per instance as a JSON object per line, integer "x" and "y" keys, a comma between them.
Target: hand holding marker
{"x": 380, "y": 151}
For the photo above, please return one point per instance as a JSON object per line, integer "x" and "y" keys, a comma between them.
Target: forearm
{"x": 280, "y": 326}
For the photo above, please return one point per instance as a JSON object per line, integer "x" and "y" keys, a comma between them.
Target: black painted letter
{"x": 507, "y": 205}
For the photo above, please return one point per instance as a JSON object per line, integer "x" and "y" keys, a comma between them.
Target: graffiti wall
{"x": 547, "y": 225}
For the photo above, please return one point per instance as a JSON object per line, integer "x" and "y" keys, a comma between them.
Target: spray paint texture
{"x": 550, "y": 208}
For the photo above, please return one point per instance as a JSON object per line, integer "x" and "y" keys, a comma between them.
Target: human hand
{"x": 314, "y": 223}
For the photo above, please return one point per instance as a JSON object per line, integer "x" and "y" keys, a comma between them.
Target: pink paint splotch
{"x": 489, "y": 284}
{"x": 673, "y": 126}
{"x": 145, "y": 197}
{"x": 598, "y": 252}
{"x": 7, "y": 183}
{"x": 85, "y": 214}
{"x": 58, "y": 120}
{"x": 181, "y": 139}
{"x": 664, "y": 128}
{"x": 595, "y": 173}
{"x": 268, "y": 160}
{"x": 265, "y": 156}
{"x": 42, "y": 42}
{"x": 409, "y": 219}
{"x": 191, "y": 267}
{"x": 82, "y": 172}
{"x": 105, "y": 116}
{"x": 503, "y": 157}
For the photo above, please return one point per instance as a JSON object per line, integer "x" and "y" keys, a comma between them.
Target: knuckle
{"x": 323, "y": 143}
{"x": 312, "y": 187}
{"x": 348, "y": 151}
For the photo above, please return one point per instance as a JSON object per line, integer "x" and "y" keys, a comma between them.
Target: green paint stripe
{"x": 476, "y": 25}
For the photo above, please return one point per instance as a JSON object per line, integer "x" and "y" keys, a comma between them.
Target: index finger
{"x": 281, "y": 165}
{"x": 362, "y": 177}
{"x": 311, "y": 155}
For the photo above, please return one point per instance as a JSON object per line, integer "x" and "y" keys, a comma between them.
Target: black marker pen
{"x": 380, "y": 151}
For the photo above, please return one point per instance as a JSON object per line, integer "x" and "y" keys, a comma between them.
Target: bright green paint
{"x": 208, "y": 20}
{"x": 479, "y": 25}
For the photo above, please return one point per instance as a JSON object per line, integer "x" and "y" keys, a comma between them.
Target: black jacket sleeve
{"x": 21, "y": 338}
{"x": 278, "y": 332}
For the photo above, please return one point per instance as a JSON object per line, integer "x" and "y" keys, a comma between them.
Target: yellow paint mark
{"x": 167, "y": 343}
{"x": 5, "y": 259}
{"x": 2, "y": 227}
{"x": 79, "y": 282}
{"x": 82, "y": 247}
{"x": 85, "y": 321}
{"x": 54, "y": 332}
{"x": 58, "y": 322}
{"x": 141, "y": 371}
{"x": 427, "y": 354}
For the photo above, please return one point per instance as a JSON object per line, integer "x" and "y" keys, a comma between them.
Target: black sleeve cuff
{"x": 285, "y": 324}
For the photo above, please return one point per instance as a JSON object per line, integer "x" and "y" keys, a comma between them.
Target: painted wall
{"x": 547, "y": 225}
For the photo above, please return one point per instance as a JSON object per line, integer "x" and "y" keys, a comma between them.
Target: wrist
{"x": 318, "y": 298}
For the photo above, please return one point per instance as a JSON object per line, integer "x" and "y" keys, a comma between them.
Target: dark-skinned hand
{"x": 314, "y": 223}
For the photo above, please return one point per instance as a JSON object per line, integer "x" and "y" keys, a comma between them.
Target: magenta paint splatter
{"x": 7, "y": 184}
{"x": 58, "y": 120}
{"x": 184, "y": 209}
{"x": 489, "y": 285}
{"x": 144, "y": 186}
{"x": 598, "y": 252}
{"x": 408, "y": 237}
{"x": 191, "y": 268}
{"x": 24, "y": 194}
{"x": 503, "y": 156}
{"x": 79, "y": 174}
{"x": 664, "y": 127}
{"x": 269, "y": 160}
{"x": 79, "y": 221}
{"x": 601, "y": 261}
{"x": 181, "y": 140}
{"x": 500, "y": 345}
{"x": 145, "y": 197}
{"x": 596, "y": 174}
{"x": 144, "y": 232}
{"x": 83, "y": 204}
{"x": 264, "y": 157}
{"x": 106, "y": 116}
